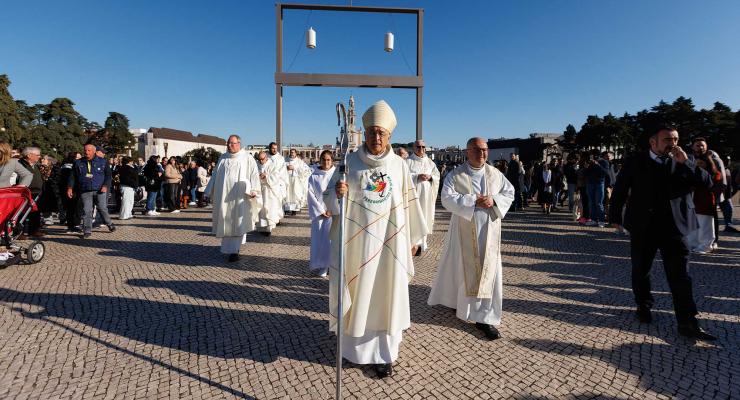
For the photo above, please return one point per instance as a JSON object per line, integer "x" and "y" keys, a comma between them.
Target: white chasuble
{"x": 320, "y": 226}
{"x": 272, "y": 197}
{"x": 296, "y": 185}
{"x": 278, "y": 162}
{"x": 383, "y": 219}
{"x": 234, "y": 213}
{"x": 426, "y": 191}
{"x": 469, "y": 272}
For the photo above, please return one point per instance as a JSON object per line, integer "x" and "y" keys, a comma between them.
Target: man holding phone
{"x": 656, "y": 186}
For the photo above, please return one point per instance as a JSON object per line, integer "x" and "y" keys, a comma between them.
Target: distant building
{"x": 309, "y": 154}
{"x": 166, "y": 142}
{"x": 443, "y": 155}
{"x": 537, "y": 147}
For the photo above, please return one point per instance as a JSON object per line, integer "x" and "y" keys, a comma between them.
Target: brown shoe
{"x": 38, "y": 234}
{"x": 23, "y": 237}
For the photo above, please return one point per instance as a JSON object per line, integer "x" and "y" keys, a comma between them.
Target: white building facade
{"x": 167, "y": 142}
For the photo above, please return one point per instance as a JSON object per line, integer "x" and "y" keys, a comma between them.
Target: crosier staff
{"x": 343, "y": 145}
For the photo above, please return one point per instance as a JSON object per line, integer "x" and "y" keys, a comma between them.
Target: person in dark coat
{"x": 129, "y": 181}
{"x": 656, "y": 186}
{"x": 71, "y": 206}
{"x": 153, "y": 176}
{"x": 30, "y": 161}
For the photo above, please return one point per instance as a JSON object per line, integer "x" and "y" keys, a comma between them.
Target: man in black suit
{"x": 657, "y": 186}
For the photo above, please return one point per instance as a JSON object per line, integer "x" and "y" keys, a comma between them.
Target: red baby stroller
{"x": 15, "y": 205}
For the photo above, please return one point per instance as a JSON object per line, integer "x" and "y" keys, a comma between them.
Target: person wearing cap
{"x": 90, "y": 180}
{"x": 425, "y": 176}
{"x": 383, "y": 220}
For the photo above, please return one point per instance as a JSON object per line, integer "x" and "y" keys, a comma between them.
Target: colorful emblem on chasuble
{"x": 377, "y": 187}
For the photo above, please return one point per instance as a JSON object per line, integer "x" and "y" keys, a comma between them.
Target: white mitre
{"x": 380, "y": 114}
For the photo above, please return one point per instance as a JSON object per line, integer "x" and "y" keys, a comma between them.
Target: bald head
{"x": 477, "y": 151}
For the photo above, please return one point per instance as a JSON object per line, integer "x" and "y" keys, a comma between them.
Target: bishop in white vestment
{"x": 425, "y": 175}
{"x": 271, "y": 180}
{"x": 383, "y": 221}
{"x": 298, "y": 173}
{"x": 469, "y": 274}
{"x": 320, "y": 256}
{"x": 234, "y": 189}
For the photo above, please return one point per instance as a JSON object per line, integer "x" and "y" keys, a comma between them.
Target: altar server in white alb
{"x": 383, "y": 221}
{"x": 469, "y": 274}
{"x": 425, "y": 175}
{"x": 234, "y": 189}
{"x": 321, "y": 218}
{"x": 298, "y": 173}
{"x": 271, "y": 182}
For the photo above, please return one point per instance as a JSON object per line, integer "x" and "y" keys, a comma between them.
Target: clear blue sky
{"x": 494, "y": 69}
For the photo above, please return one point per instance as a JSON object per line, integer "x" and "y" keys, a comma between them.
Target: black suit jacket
{"x": 635, "y": 186}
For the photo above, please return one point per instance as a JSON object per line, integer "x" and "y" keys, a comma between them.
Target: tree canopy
{"x": 57, "y": 128}
{"x": 628, "y": 133}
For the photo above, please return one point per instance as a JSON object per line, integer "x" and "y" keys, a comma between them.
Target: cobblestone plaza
{"x": 154, "y": 311}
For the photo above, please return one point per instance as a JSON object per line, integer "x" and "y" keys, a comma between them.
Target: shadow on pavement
{"x": 202, "y": 330}
{"x": 259, "y": 294}
{"x": 660, "y": 366}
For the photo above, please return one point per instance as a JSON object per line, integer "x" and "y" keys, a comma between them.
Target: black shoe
{"x": 265, "y": 233}
{"x": 489, "y": 330}
{"x": 86, "y": 235}
{"x": 111, "y": 228}
{"x": 644, "y": 315}
{"x": 383, "y": 370}
{"x": 418, "y": 252}
{"x": 694, "y": 331}
{"x": 292, "y": 213}
{"x": 730, "y": 228}
{"x": 233, "y": 257}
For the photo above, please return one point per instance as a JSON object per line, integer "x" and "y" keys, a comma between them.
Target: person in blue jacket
{"x": 90, "y": 180}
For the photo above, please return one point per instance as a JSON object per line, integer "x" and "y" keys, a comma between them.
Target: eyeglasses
{"x": 381, "y": 134}
{"x": 421, "y": 147}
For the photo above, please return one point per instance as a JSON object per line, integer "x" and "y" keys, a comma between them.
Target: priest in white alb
{"x": 469, "y": 274}
{"x": 271, "y": 182}
{"x": 320, "y": 256}
{"x": 297, "y": 185}
{"x": 425, "y": 175}
{"x": 234, "y": 189}
{"x": 280, "y": 169}
{"x": 383, "y": 220}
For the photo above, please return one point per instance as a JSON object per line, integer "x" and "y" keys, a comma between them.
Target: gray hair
{"x": 31, "y": 150}
{"x": 235, "y": 136}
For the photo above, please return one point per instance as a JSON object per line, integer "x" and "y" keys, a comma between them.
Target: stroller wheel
{"x": 35, "y": 252}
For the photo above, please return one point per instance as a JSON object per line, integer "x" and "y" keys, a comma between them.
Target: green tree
{"x": 718, "y": 128}
{"x": 114, "y": 136}
{"x": 10, "y": 127}
{"x": 205, "y": 154}
{"x": 62, "y": 130}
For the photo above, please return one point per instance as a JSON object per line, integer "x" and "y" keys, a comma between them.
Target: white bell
{"x": 311, "y": 38}
{"x": 388, "y": 42}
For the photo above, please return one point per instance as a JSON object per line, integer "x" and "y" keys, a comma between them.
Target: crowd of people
{"x": 79, "y": 191}
{"x": 585, "y": 182}
{"x": 663, "y": 198}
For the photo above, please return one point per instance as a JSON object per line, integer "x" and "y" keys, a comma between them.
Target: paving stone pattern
{"x": 154, "y": 311}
